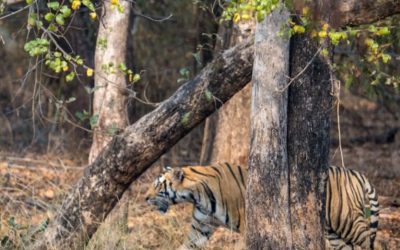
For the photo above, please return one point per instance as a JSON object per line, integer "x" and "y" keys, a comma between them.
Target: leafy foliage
{"x": 376, "y": 40}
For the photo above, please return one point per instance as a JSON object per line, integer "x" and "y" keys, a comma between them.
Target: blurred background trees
{"x": 168, "y": 42}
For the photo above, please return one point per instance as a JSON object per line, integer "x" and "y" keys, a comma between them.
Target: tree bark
{"x": 130, "y": 153}
{"x": 342, "y": 13}
{"x": 108, "y": 97}
{"x": 267, "y": 193}
{"x": 226, "y": 132}
{"x": 109, "y": 101}
{"x": 309, "y": 109}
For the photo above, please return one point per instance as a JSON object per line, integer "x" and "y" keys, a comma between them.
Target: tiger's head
{"x": 169, "y": 188}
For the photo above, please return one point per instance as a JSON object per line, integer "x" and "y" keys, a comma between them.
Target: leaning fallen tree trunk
{"x": 130, "y": 153}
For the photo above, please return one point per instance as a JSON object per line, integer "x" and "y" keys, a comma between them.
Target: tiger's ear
{"x": 178, "y": 174}
{"x": 167, "y": 168}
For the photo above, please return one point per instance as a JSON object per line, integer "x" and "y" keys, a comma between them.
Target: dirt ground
{"x": 33, "y": 187}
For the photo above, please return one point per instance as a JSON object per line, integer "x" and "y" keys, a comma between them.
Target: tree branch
{"x": 342, "y": 13}
{"x": 357, "y": 12}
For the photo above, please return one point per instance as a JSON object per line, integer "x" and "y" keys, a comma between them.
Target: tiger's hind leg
{"x": 334, "y": 242}
{"x": 198, "y": 235}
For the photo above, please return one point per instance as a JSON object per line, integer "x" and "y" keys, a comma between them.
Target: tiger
{"x": 218, "y": 197}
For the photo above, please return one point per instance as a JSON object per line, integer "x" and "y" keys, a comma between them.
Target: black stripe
{"x": 200, "y": 173}
{"x": 337, "y": 220}
{"x": 329, "y": 203}
{"x": 210, "y": 196}
{"x": 238, "y": 212}
{"x": 190, "y": 179}
{"x": 165, "y": 186}
{"x": 206, "y": 234}
{"x": 358, "y": 240}
{"x": 217, "y": 170}
{"x": 234, "y": 176}
{"x": 226, "y": 216}
{"x": 241, "y": 176}
{"x": 374, "y": 224}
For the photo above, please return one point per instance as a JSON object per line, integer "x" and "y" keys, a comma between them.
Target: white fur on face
{"x": 159, "y": 180}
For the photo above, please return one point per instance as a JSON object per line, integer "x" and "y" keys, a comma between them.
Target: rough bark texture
{"x": 131, "y": 152}
{"x": 108, "y": 99}
{"x": 356, "y": 12}
{"x": 309, "y": 110}
{"x": 226, "y": 132}
{"x": 267, "y": 193}
{"x": 341, "y": 13}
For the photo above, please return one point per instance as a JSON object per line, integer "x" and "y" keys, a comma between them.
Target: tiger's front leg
{"x": 198, "y": 235}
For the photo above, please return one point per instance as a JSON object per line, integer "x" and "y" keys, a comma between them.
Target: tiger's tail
{"x": 374, "y": 208}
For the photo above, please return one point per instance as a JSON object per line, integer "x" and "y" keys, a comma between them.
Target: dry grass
{"x": 32, "y": 190}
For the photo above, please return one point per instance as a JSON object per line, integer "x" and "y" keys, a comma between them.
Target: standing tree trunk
{"x": 109, "y": 105}
{"x": 267, "y": 197}
{"x": 110, "y": 82}
{"x": 226, "y": 132}
{"x": 309, "y": 110}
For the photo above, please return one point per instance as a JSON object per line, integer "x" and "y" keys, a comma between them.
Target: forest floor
{"x": 32, "y": 187}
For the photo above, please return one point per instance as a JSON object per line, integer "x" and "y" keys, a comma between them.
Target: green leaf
{"x": 184, "y": 72}
{"x": 66, "y": 11}
{"x": 197, "y": 58}
{"x": 367, "y": 212}
{"x": 372, "y": 29}
{"x": 31, "y": 21}
{"x": 53, "y": 5}
{"x": 80, "y": 115}
{"x": 43, "y": 225}
{"x": 208, "y": 95}
{"x": 29, "y": 2}
{"x": 11, "y": 222}
{"x": 88, "y": 4}
{"x": 78, "y": 60}
{"x": 121, "y": 8}
{"x": 385, "y": 58}
{"x": 384, "y": 31}
{"x": 186, "y": 118}
{"x": 60, "y": 19}
{"x": 93, "y": 120}
{"x": 299, "y": 29}
{"x": 136, "y": 77}
{"x": 52, "y": 27}
{"x": 49, "y": 17}
{"x": 122, "y": 67}
{"x": 70, "y": 77}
